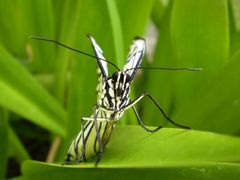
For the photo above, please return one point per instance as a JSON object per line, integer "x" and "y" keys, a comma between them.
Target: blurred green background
{"x": 45, "y": 89}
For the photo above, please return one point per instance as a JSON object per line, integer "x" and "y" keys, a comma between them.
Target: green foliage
{"x": 22, "y": 94}
{"x": 202, "y": 171}
{"x": 174, "y": 151}
{"x": 52, "y": 87}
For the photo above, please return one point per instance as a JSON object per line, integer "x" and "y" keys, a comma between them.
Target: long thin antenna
{"x": 56, "y": 42}
{"x": 166, "y": 68}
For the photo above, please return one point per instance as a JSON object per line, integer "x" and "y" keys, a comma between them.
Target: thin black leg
{"x": 83, "y": 157}
{"x": 141, "y": 123}
{"x": 163, "y": 113}
{"x": 132, "y": 103}
{"x": 100, "y": 153}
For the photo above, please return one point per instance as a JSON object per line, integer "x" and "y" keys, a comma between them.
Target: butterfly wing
{"x": 102, "y": 70}
{"x": 99, "y": 54}
{"x": 135, "y": 56}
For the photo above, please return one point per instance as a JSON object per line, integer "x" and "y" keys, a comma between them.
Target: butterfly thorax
{"x": 114, "y": 94}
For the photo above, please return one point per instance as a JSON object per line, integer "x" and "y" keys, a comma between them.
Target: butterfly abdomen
{"x": 75, "y": 153}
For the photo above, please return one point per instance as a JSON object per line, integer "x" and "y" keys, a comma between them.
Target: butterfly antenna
{"x": 68, "y": 47}
{"x": 163, "y": 68}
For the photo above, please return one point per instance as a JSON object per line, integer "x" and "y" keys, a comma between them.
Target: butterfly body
{"x": 115, "y": 94}
{"x": 112, "y": 98}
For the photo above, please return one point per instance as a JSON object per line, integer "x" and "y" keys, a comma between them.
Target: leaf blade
{"x": 200, "y": 38}
{"x": 167, "y": 153}
{"x": 197, "y": 171}
{"x": 21, "y": 93}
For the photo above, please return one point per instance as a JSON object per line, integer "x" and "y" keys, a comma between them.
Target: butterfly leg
{"x": 83, "y": 157}
{"x": 141, "y": 123}
{"x": 131, "y": 104}
{"x": 100, "y": 153}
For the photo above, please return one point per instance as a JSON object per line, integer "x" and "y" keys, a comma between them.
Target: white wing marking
{"x": 99, "y": 54}
{"x": 135, "y": 56}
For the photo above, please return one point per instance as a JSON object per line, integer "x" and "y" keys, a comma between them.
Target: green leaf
{"x": 168, "y": 146}
{"x": 199, "y": 38}
{"x": 22, "y": 94}
{"x": 36, "y": 170}
{"x": 12, "y": 31}
{"x": 117, "y": 31}
{"x": 168, "y": 153}
{"x": 216, "y": 106}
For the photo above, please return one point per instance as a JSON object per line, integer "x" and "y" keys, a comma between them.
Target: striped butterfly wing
{"x": 99, "y": 54}
{"x": 135, "y": 56}
{"x": 102, "y": 70}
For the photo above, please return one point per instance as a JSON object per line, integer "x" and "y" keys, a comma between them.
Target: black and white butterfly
{"x": 112, "y": 100}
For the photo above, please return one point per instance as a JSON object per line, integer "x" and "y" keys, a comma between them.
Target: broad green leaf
{"x": 216, "y": 107}
{"x": 134, "y": 146}
{"x": 202, "y": 171}
{"x": 3, "y": 141}
{"x": 199, "y": 38}
{"x": 167, "y": 150}
{"x": 22, "y": 94}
